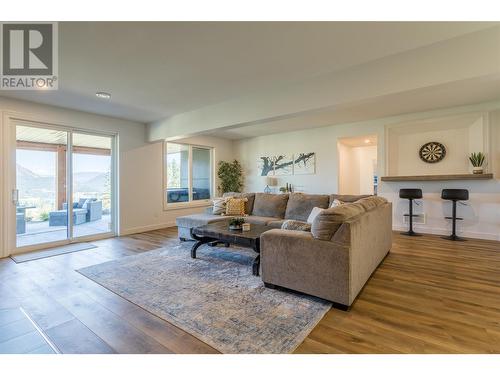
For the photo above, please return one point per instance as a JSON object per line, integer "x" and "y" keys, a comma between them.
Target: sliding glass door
{"x": 92, "y": 180}
{"x": 41, "y": 212}
{"x": 64, "y": 185}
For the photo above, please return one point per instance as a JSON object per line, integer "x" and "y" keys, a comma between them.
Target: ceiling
{"x": 458, "y": 93}
{"x": 360, "y": 141}
{"x": 158, "y": 69}
{"x": 442, "y": 123}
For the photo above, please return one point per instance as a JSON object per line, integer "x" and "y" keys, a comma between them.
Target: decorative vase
{"x": 477, "y": 170}
{"x": 245, "y": 227}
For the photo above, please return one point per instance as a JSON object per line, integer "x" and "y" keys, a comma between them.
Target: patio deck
{"x": 40, "y": 232}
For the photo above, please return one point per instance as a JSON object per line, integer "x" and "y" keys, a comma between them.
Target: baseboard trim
{"x": 147, "y": 228}
{"x": 446, "y": 231}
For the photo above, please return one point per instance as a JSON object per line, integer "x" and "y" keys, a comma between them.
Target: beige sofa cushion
{"x": 197, "y": 220}
{"x": 275, "y": 223}
{"x": 270, "y": 205}
{"x": 300, "y": 205}
{"x": 329, "y": 221}
{"x": 264, "y": 220}
{"x": 346, "y": 198}
{"x": 248, "y": 204}
{"x": 369, "y": 203}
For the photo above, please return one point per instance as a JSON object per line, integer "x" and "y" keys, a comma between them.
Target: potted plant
{"x": 236, "y": 223}
{"x": 477, "y": 160}
{"x": 230, "y": 176}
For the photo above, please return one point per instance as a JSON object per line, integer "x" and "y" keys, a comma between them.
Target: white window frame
{"x": 191, "y": 203}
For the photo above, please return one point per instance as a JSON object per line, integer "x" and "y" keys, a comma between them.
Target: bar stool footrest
{"x": 451, "y": 218}
{"x": 454, "y": 238}
{"x": 411, "y": 233}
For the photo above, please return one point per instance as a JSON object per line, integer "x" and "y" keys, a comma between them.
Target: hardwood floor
{"x": 429, "y": 296}
{"x": 18, "y": 334}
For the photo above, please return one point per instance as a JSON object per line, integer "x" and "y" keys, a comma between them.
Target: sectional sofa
{"x": 334, "y": 260}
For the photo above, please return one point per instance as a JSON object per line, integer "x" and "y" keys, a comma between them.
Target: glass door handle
{"x": 15, "y": 196}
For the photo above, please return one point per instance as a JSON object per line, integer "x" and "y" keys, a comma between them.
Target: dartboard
{"x": 432, "y": 152}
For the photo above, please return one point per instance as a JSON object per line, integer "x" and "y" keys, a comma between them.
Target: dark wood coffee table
{"x": 220, "y": 233}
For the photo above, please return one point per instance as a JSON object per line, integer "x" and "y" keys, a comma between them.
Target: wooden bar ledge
{"x": 440, "y": 177}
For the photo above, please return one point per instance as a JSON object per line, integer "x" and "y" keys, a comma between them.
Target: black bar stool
{"x": 454, "y": 195}
{"x": 410, "y": 194}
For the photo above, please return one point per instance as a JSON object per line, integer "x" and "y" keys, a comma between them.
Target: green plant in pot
{"x": 477, "y": 161}
{"x": 230, "y": 176}
{"x": 236, "y": 223}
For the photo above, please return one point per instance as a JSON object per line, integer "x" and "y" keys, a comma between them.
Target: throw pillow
{"x": 249, "y": 196}
{"x": 219, "y": 207}
{"x": 236, "y": 206}
{"x": 296, "y": 225}
{"x": 336, "y": 203}
{"x": 315, "y": 212}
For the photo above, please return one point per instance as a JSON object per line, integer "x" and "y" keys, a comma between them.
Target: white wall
{"x": 367, "y": 157}
{"x": 409, "y": 163}
{"x": 140, "y": 164}
{"x": 494, "y": 118}
{"x": 322, "y": 141}
{"x": 348, "y": 170}
{"x": 461, "y": 135}
{"x": 144, "y": 165}
{"x": 356, "y": 169}
{"x": 482, "y": 215}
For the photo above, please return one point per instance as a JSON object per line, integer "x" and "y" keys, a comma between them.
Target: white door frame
{"x": 9, "y": 122}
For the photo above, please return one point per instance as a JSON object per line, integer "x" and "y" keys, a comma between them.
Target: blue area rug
{"x": 214, "y": 297}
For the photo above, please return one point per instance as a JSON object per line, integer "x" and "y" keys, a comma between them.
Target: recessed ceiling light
{"x": 367, "y": 141}
{"x": 103, "y": 95}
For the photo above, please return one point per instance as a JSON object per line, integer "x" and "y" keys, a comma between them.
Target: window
{"x": 188, "y": 174}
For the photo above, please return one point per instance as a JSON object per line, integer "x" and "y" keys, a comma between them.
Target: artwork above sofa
{"x": 287, "y": 164}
